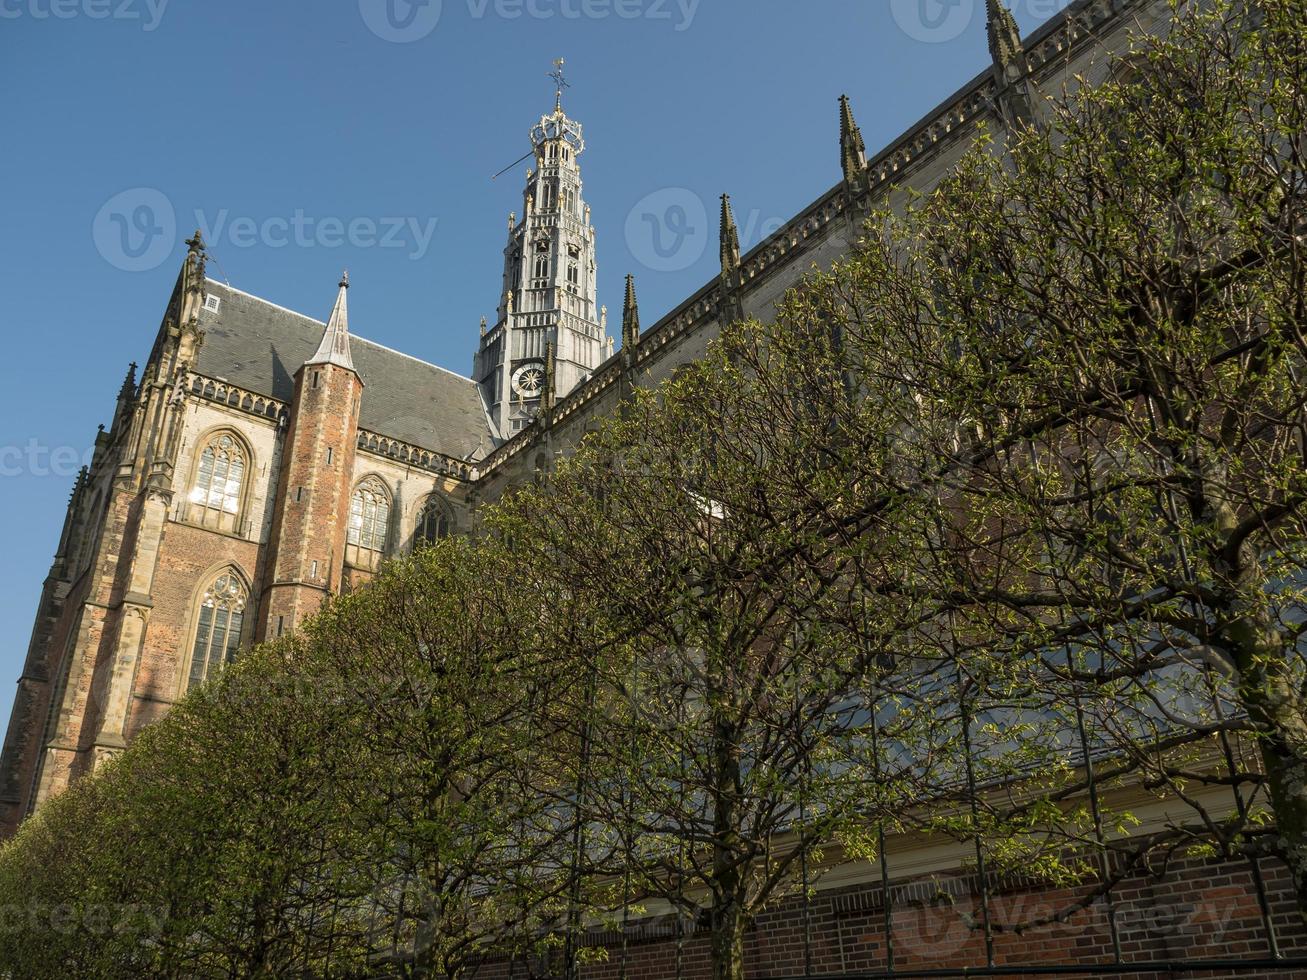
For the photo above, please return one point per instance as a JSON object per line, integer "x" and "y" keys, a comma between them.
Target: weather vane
{"x": 560, "y": 80}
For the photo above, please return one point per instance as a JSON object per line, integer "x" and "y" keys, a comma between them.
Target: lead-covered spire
{"x": 334, "y": 348}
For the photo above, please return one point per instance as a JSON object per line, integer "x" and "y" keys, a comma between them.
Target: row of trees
{"x": 1014, "y": 491}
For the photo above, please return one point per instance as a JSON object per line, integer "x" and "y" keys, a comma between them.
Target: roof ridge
{"x": 355, "y": 337}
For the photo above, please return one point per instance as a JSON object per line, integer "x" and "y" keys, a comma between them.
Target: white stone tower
{"x": 548, "y": 296}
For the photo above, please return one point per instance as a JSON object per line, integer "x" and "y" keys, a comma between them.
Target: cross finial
{"x": 560, "y": 82}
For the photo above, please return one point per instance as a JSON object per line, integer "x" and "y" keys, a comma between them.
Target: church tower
{"x": 548, "y": 295}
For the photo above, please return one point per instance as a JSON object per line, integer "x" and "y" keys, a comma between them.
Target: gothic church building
{"x": 265, "y": 460}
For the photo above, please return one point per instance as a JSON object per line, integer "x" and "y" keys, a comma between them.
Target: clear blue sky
{"x": 375, "y": 126}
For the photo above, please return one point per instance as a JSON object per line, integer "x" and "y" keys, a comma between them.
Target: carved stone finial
{"x": 196, "y": 259}
{"x": 1004, "y": 37}
{"x": 630, "y": 317}
{"x": 730, "y": 238}
{"x": 483, "y": 326}
{"x": 853, "y": 151}
{"x": 1010, "y": 66}
{"x": 129, "y": 383}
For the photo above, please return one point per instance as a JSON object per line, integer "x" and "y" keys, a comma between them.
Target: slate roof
{"x": 258, "y": 346}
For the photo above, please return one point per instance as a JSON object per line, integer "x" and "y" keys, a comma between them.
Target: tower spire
{"x": 630, "y": 317}
{"x": 730, "y": 238}
{"x": 334, "y": 348}
{"x": 853, "y": 151}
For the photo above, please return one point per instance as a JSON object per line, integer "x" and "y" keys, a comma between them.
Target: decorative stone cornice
{"x": 241, "y": 399}
{"x": 410, "y": 455}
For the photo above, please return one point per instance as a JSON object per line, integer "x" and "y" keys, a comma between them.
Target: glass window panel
{"x": 218, "y": 631}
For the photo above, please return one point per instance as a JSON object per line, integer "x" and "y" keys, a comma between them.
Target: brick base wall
{"x": 1197, "y": 910}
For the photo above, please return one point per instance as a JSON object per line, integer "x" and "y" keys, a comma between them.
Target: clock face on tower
{"x": 529, "y": 380}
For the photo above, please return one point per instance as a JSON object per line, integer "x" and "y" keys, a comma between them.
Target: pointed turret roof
{"x": 334, "y": 348}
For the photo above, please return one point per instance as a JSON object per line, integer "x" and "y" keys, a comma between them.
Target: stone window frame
{"x": 205, "y": 583}
{"x": 432, "y": 503}
{"x": 358, "y": 554}
{"x": 214, "y": 518}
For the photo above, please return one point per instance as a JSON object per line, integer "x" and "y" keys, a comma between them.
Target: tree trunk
{"x": 729, "y": 878}
{"x": 728, "y": 943}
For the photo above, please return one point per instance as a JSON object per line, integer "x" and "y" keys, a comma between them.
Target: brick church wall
{"x": 1196, "y": 910}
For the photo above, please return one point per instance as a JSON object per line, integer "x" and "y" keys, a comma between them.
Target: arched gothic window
{"x": 542, "y": 267}
{"x": 215, "y": 496}
{"x": 218, "y": 629}
{"x": 433, "y": 522}
{"x": 369, "y": 523}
